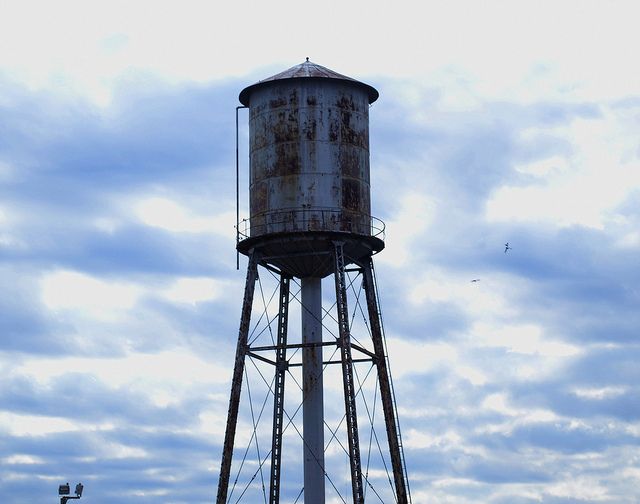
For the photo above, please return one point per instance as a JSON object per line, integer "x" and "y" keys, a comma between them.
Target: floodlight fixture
{"x": 64, "y": 492}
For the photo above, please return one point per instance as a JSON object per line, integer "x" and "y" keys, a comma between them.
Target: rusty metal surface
{"x": 278, "y": 389}
{"x": 311, "y": 314}
{"x": 384, "y": 380}
{"x": 318, "y": 219}
{"x": 309, "y": 152}
{"x": 349, "y": 385}
{"x": 236, "y": 382}
{"x": 310, "y": 254}
{"x": 307, "y": 70}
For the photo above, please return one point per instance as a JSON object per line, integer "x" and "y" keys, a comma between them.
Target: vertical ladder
{"x": 278, "y": 399}
{"x": 347, "y": 374}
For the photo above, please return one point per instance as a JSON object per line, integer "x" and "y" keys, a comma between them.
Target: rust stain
{"x": 350, "y": 194}
{"x": 293, "y": 98}
{"x": 315, "y": 224}
{"x": 259, "y": 197}
{"x": 287, "y": 160}
{"x": 285, "y": 191}
{"x": 278, "y": 102}
{"x": 334, "y": 127}
{"x": 346, "y": 223}
{"x": 348, "y": 133}
{"x": 346, "y": 102}
{"x": 349, "y": 161}
{"x": 285, "y": 127}
{"x": 309, "y": 129}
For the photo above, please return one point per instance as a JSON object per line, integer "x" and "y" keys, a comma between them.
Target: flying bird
{"x": 507, "y": 247}
{"x": 475, "y": 280}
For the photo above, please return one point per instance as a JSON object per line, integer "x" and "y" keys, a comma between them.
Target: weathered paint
{"x": 312, "y": 391}
{"x": 309, "y": 156}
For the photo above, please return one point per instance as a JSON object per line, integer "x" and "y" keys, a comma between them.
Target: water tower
{"x": 310, "y": 220}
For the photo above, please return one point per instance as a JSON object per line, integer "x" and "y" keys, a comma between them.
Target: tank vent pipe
{"x": 238, "y": 190}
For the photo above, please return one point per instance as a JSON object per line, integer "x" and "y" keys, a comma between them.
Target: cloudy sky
{"x": 497, "y": 122}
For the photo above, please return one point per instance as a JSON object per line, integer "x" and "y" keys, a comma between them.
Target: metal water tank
{"x": 309, "y": 159}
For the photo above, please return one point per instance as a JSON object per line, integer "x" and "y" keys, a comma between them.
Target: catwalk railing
{"x": 310, "y": 219}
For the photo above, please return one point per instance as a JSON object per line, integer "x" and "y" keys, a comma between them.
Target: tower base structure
{"x": 328, "y": 339}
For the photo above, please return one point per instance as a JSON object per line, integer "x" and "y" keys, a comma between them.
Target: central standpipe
{"x": 312, "y": 391}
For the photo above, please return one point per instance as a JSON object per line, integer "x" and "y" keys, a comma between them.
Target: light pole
{"x": 65, "y": 490}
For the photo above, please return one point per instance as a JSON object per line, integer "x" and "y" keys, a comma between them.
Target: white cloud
{"x": 498, "y": 402}
{"x": 599, "y": 393}
{"x": 155, "y": 371}
{"x": 528, "y": 339}
{"x": 472, "y": 375}
{"x": 545, "y": 167}
{"x": 583, "y": 488}
{"x": 418, "y": 439}
{"x": 629, "y": 240}
{"x": 456, "y": 482}
{"x": 488, "y": 297}
{"x": 509, "y": 51}
{"x": 22, "y": 459}
{"x": 419, "y": 358}
{"x": 414, "y": 216}
{"x": 632, "y": 473}
{"x": 517, "y": 417}
{"x": 193, "y": 290}
{"x": 564, "y": 205}
{"x": 97, "y": 299}
{"x": 584, "y": 189}
{"x": 166, "y": 214}
{"x": 121, "y": 451}
{"x": 94, "y": 297}
{"x": 32, "y": 425}
{"x": 211, "y": 420}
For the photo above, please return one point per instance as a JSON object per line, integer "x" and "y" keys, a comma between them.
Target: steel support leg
{"x": 236, "y": 383}
{"x": 278, "y": 399}
{"x": 347, "y": 375}
{"x": 385, "y": 384}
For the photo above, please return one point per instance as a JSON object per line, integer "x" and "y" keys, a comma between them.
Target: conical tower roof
{"x": 307, "y": 70}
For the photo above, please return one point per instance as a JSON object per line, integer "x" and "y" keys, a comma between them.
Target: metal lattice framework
{"x": 274, "y": 356}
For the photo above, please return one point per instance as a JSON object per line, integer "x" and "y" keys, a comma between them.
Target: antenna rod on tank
{"x": 238, "y": 190}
